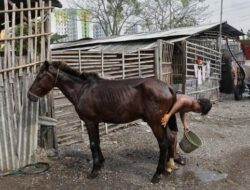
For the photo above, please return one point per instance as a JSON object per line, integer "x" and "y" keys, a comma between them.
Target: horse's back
{"x": 122, "y": 101}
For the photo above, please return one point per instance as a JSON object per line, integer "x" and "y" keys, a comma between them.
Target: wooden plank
{"x": 3, "y": 146}
{"x": 18, "y": 111}
{"x": 13, "y": 125}
{"x": 1, "y": 74}
{"x": 6, "y": 126}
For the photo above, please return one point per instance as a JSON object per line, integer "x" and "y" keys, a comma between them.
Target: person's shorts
{"x": 172, "y": 124}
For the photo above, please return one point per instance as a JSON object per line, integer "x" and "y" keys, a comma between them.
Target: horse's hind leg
{"x": 94, "y": 140}
{"x": 164, "y": 144}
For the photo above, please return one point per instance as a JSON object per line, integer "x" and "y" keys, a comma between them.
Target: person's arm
{"x": 176, "y": 107}
{"x": 184, "y": 121}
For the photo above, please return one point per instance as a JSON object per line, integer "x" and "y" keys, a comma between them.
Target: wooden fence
{"x": 142, "y": 63}
{"x": 203, "y": 71}
{"x": 25, "y": 47}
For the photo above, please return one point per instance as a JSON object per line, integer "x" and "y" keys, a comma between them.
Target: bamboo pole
{"x": 25, "y": 9}
{"x": 6, "y": 50}
{"x": 36, "y": 32}
{"x": 25, "y": 37}
{"x": 42, "y": 53}
{"x": 13, "y": 36}
{"x": 21, "y": 40}
{"x": 19, "y": 67}
{"x": 30, "y": 40}
{"x": 48, "y": 30}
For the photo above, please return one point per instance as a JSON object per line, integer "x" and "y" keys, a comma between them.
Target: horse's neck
{"x": 69, "y": 87}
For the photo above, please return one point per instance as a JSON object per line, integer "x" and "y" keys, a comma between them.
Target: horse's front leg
{"x": 164, "y": 143}
{"x": 94, "y": 141}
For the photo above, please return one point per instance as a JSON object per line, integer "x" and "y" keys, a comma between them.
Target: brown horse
{"x": 112, "y": 101}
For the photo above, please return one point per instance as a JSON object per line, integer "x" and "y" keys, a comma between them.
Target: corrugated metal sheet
{"x": 125, "y": 47}
{"x": 173, "y": 33}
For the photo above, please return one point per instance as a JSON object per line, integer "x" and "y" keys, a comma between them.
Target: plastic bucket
{"x": 190, "y": 142}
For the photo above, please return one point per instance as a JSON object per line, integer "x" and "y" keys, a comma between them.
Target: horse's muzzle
{"x": 32, "y": 97}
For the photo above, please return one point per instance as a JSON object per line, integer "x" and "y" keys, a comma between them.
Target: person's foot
{"x": 170, "y": 166}
{"x": 180, "y": 160}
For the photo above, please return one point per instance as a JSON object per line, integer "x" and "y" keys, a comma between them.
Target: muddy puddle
{"x": 198, "y": 174}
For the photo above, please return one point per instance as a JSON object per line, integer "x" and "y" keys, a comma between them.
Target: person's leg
{"x": 172, "y": 128}
{"x": 174, "y": 131}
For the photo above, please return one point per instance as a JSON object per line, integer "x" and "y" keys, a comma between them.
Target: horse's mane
{"x": 84, "y": 76}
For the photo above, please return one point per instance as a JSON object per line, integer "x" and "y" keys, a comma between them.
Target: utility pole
{"x": 220, "y": 37}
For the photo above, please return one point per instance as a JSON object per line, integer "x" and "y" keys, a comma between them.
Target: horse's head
{"x": 44, "y": 81}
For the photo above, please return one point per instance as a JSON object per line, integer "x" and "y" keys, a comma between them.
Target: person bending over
{"x": 183, "y": 105}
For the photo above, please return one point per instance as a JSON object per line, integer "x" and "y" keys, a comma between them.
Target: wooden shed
{"x": 187, "y": 58}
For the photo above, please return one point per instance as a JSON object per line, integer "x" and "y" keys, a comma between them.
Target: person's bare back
{"x": 182, "y": 105}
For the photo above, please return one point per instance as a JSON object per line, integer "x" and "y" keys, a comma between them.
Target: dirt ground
{"x": 223, "y": 161}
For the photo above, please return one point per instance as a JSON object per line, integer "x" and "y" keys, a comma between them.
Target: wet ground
{"x": 223, "y": 161}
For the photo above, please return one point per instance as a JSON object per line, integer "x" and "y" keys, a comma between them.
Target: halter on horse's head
{"x": 45, "y": 80}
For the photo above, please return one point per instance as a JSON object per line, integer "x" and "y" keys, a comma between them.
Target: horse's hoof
{"x": 156, "y": 179}
{"x": 93, "y": 175}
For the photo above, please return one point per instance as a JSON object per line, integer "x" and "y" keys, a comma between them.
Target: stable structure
{"x": 25, "y": 43}
{"x": 186, "y": 58}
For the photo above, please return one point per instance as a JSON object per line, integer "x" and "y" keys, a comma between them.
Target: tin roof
{"x": 209, "y": 30}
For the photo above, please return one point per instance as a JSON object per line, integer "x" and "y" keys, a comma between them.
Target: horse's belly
{"x": 120, "y": 114}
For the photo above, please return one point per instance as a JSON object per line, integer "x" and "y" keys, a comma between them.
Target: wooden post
{"x": 123, "y": 65}
{"x": 79, "y": 60}
{"x": 102, "y": 63}
{"x": 184, "y": 72}
{"x": 158, "y": 59}
{"x": 139, "y": 62}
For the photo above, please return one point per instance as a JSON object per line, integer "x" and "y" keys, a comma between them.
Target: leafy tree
{"x": 165, "y": 14}
{"x": 111, "y": 15}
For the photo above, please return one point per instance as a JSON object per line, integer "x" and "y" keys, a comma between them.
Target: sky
{"x": 235, "y": 12}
